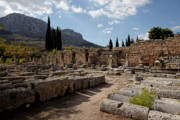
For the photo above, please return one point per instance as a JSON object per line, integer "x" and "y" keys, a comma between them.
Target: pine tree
{"x": 117, "y": 42}
{"x": 48, "y": 36}
{"x": 110, "y": 44}
{"x": 123, "y": 45}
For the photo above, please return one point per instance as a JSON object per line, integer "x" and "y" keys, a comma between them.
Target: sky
{"x": 101, "y": 20}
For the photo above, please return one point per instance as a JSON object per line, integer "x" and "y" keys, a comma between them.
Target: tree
{"x": 59, "y": 40}
{"x": 123, "y": 45}
{"x": 167, "y": 33}
{"x": 137, "y": 39}
{"x": 110, "y": 44}
{"x": 132, "y": 41}
{"x": 53, "y": 39}
{"x": 160, "y": 33}
{"x": 48, "y": 44}
{"x": 117, "y": 42}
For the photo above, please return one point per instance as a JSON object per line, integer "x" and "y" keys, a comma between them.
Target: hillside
{"x": 19, "y": 27}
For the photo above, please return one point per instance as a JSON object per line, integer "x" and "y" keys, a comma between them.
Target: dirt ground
{"x": 83, "y": 105}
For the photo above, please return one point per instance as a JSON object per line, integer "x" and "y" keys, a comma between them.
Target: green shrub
{"x": 146, "y": 98}
{"x": 9, "y": 61}
{"x": 54, "y": 51}
{"x": 21, "y": 60}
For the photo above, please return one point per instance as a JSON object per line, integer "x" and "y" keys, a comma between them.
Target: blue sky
{"x": 100, "y": 20}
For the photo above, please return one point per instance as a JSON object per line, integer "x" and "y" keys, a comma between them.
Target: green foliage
{"x": 16, "y": 52}
{"x": 160, "y": 33}
{"x": 9, "y": 61}
{"x": 146, "y": 98}
{"x": 92, "y": 48}
{"x": 139, "y": 40}
{"x": 69, "y": 48}
{"x": 54, "y": 51}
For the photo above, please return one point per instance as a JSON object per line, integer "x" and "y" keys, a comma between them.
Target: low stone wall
{"x": 15, "y": 92}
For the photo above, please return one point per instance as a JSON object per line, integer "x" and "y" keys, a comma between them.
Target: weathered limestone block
{"x": 96, "y": 80}
{"x": 14, "y": 98}
{"x": 6, "y": 86}
{"x": 11, "y": 78}
{"x": 155, "y": 115}
{"x": 40, "y": 76}
{"x": 129, "y": 91}
{"x": 26, "y": 73}
{"x": 51, "y": 88}
{"x": 168, "y": 93}
{"x": 118, "y": 97}
{"x": 114, "y": 73}
{"x": 156, "y": 83}
{"x": 125, "y": 109}
{"x": 167, "y": 105}
{"x": 110, "y": 106}
{"x": 59, "y": 73}
{"x": 134, "y": 111}
{"x": 3, "y": 74}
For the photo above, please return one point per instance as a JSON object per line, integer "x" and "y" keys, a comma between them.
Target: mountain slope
{"x": 18, "y": 27}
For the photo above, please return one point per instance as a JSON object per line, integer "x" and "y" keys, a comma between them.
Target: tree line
{"x": 154, "y": 33}
{"x": 53, "y": 37}
{"x": 127, "y": 42}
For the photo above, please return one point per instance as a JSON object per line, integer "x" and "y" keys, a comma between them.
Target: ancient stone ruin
{"x": 27, "y": 84}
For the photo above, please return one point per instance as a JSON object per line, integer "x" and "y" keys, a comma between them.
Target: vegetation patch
{"x": 146, "y": 98}
{"x": 16, "y": 52}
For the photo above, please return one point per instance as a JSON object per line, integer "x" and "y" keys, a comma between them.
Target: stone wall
{"x": 82, "y": 56}
{"x": 149, "y": 51}
{"x": 21, "y": 85}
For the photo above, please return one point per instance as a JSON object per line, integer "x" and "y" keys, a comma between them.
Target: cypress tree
{"x": 128, "y": 40}
{"x": 132, "y": 41}
{"x": 53, "y": 39}
{"x": 48, "y": 36}
{"x": 110, "y": 44}
{"x": 123, "y": 45}
{"x": 117, "y": 42}
{"x": 137, "y": 39}
{"x": 59, "y": 41}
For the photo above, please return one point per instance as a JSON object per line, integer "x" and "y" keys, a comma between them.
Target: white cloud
{"x": 107, "y": 30}
{"x": 135, "y": 29}
{"x": 99, "y": 25}
{"x": 96, "y": 13}
{"x": 77, "y": 9}
{"x": 59, "y": 17}
{"x": 113, "y": 22}
{"x": 175, "y": 28}
{"x": 144, "y": 36}
{"x": 32, "y": 7}
{"x": 118, "y": 9}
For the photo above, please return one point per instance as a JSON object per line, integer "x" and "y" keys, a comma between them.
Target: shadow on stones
{"x": 56, "y": 108}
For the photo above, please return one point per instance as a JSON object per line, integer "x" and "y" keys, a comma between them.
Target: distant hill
{"x": 19, "y": 27}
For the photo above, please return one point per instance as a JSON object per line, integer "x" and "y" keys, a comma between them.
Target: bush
{"x": 69, "y": 48}
{"x": 146, "y": 98}
{"x": 9, "y": 61}
{"x": 54, "y": 51}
